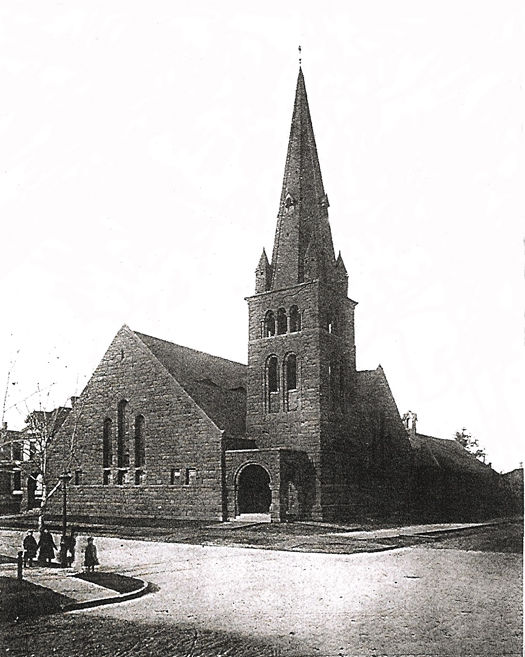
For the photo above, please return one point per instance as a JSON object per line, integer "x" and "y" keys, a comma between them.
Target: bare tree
{"x": 30, "y": 448}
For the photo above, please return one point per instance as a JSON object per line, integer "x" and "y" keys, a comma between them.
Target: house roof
{"x": 51, "y": 420}
{"x": 446, "y": 454}
{"x": 216, "y": 384}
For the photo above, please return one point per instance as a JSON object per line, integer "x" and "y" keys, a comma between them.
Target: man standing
{"x": 30, "y": 547}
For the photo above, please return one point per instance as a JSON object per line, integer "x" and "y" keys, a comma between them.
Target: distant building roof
{"x": 52, "y": 420}
{"x": 216, "y": 384}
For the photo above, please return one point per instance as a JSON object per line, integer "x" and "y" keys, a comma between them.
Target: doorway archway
{"x": 253, "y": 490}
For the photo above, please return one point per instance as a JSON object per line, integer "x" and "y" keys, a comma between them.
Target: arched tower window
{"x": 272, "y": 384}
{"x": 290, "y": 372}
{"x": 295, "y": 319}
{"x": 107, "y": 453}
{"x": 269, "y": 324}
{"x": 291, "y": 400}
{"x": 282, "y": 322}
{"x": 140, "y": 445}
{"x": 122, "y": 436}
{"x": 273, "y": 374}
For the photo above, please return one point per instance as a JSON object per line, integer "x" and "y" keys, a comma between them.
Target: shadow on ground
{"x": 72, "y": 635}
{"x": 25, "y": 600}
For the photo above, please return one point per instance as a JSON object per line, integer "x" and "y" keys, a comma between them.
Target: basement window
{"x": 190, "y": 477}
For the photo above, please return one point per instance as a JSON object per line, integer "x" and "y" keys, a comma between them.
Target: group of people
{"x": 45, "y": 547}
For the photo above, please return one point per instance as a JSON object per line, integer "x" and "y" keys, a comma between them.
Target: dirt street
{"x": 408, "y": 601}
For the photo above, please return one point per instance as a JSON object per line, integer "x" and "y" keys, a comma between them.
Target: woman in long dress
{"x": 47, "y": 547}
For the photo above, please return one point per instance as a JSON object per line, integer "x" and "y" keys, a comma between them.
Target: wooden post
{"x": 19, "y": 563}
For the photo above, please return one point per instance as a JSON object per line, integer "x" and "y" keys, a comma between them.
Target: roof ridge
{"x": 181, "y": 346}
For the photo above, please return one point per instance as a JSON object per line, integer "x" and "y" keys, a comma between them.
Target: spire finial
{"x": 300, "y": 58}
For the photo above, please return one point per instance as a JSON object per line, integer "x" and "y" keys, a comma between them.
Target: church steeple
{"x": 302, "y": 221}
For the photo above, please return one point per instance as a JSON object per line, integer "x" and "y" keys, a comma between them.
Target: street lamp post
{"x": 65, "y": 478}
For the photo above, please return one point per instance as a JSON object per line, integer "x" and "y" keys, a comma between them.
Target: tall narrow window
{"x": 295, "y": 319}
{"x": 122, "y": 436}
{"x": 273, "y": 374}
{"x": 17, "y": 480}
{"x": 17, "y": 451}
{"x": 140, "y": 446}
{"x": 282, "y": 321}
{"x": 290, "y": 383}
{"x": 291, "y": 372}
{"x": 269, "y": 324}
{"x": 107, "y": 455}
{"x": 272, "y": 385}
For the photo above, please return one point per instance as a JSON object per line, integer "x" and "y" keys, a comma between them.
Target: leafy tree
{"x": 465, "y": 439}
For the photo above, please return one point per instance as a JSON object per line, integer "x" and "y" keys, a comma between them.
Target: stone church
{"x": 165, "y": 432}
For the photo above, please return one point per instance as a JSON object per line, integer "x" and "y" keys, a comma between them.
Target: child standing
{"x": 90, "y": 556}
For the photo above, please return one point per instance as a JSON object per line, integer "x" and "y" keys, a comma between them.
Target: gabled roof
{"x": 373, "y": 401}
{"x": 447, "y": 455}
{"x": 217, "y": 385}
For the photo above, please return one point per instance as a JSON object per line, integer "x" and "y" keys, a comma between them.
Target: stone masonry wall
{"x": 182, "y": 471}
{"x": 297, "y": 429}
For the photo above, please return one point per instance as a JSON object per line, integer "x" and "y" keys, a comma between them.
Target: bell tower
{"x": 301, "y": 352}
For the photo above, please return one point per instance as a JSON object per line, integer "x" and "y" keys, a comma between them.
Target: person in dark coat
{"x": 30, "y": 548}
{"x": 47, "y": 547}
{"x": 90, "y": 556}
{"x": 70, "y": 544}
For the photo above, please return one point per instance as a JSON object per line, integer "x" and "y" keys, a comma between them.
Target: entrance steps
{"x": 252, "y": 517}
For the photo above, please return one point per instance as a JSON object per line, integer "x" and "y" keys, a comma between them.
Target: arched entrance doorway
{"x": 253, "y": 490}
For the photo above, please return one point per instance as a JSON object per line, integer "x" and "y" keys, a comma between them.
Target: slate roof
{"x": 306, "y": 227}
{"x": 216, "y": 384}
{"x": 446, "y": 455}
{"x": 367, "y": 381}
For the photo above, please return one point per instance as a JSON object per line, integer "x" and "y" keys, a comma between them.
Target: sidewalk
{"x": 410, "y": 530}
{"x": 64, "y": 581}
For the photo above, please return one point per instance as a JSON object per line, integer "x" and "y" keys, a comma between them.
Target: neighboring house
{"x": 21, "y": 459}
{"x": 11, "y": 443}
{"x": 162, "y": 431}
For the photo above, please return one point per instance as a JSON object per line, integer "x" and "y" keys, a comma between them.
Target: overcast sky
{"x": 142, "y": 147}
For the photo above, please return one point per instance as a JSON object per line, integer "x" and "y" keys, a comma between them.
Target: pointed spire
{"x": 303, "y": 207}
{"x": 263, "y": 274}
{"x": 340, "y": 265}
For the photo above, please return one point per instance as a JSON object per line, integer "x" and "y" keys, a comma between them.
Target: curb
{"x": 98, "y": 602}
